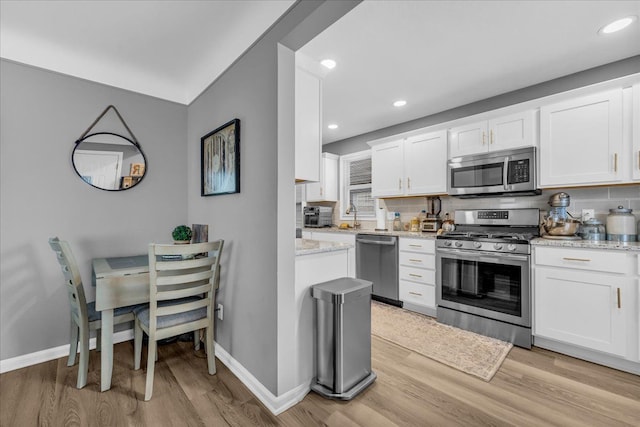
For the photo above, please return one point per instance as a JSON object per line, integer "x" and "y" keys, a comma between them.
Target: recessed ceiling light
{"x": 333, "y": 126}
{"x": 329, "y": 63}
{"x": 617, "y": 25}
{"x": 400, "y": 103}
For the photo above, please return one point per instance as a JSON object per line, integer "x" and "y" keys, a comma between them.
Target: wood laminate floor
{"x": 532, "y": 388}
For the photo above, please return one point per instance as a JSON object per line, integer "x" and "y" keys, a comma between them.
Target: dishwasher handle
{"x": 376, "y": 242}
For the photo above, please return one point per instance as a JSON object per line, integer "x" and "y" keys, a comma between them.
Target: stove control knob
{"x": 511, "y": 247}
{"x": 447, "y": 242}
{"x": 477, "y": 245}
{"x": 458, "y": 244}
{"x": 497, "y": 246}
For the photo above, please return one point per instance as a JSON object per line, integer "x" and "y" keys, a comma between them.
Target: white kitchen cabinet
{"x": 340, "y": 237}
{"x": 417, "y": 275}
{"x": 497, "y": 133}
{"x": 326, "y": 189}
{"x": 308, "y": 129}
{"x": 425, "y": 164}
{"x": 581, "y": 141}
{"x": 387, "y": 169}
{"x": 410, "y": 166}
{"x": 584, "y": 300}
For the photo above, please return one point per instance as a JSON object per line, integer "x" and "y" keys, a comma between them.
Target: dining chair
{"x": 84, "y": 317}
{"x": 182, "y": 286}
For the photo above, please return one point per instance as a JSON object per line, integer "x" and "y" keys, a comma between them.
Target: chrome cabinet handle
{"x": 415, "y": 246}
{"x": 482, "y": 137}
{"x": 577, "y": 259}
{"x": 408, "y": 183}
{"x": 491, "y": 138}
{"x": 638, "y": 159}
{"x": 321, "y": 191}
{"x": 615, "y": 162}
{"x": 619, "y": 299}
{"x": 415, "y": 275}
{"x": 415, "y": 260}
{"x": 399, "y": 183}
{"x": 415, "y": 293}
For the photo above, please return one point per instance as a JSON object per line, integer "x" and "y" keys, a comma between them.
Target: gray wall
{"x": 41, "y": 114}
{"x": 610, "y": 71}
{"x": 247, "y": 221}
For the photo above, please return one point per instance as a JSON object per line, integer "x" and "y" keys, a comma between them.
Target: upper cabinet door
{"x": 308, "y": 131}
{"x": 326, "y": 190}
{"x": 498, "y": 133}
{"x": 425, "y": 163}
{"x": 387, "y": 176}
{"x": 468, "y": 139}
{"x": 581, "y": 140}
{"x": 512, "y": 131}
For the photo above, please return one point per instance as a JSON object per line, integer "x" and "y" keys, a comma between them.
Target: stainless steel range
{"x": 483, "y": 277}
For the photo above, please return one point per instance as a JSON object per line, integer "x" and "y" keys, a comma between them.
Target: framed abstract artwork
{"x": 220, "y": 154}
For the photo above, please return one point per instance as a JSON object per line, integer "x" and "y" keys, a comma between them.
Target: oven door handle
{"x": 482, "y": 255}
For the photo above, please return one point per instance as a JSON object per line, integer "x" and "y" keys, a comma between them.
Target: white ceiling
{"x": 439, "y": 55}
{"x": 167, "y": 49}
{"x": 435, "y": 54}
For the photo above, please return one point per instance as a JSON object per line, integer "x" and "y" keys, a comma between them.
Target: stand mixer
{"x": 559, "y": 224}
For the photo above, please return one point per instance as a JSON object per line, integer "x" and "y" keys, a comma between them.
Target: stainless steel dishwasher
{"x": 377, "y": 261}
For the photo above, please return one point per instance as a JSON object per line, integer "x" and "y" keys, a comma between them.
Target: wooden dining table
{"x": 119, "y": 282}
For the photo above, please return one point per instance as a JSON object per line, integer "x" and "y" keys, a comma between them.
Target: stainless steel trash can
{"x": 343, "y": 337}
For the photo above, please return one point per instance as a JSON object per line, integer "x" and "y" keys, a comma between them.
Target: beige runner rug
{"x": 466, "y": 351}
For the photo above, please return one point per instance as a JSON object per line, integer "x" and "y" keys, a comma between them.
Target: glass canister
{"x": 415, "y": 224}
{"x": 397, "y": 224}
{"x": 593, "y": 229}
{"x": 621, "y": 225}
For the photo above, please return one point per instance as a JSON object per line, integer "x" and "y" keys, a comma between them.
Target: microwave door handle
{"x": 505, "y": 173}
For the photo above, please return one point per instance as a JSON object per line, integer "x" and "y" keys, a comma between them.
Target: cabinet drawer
{"x": 417, "y": 275}
{"x": 418, "y": 260}
{"x": 418, "y": 245}
{"x": 597, "y": 260}
{"x": 418, "y": 294}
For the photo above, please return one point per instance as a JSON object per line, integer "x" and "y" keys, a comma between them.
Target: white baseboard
{"x": 54, "y": 353}
{"x": 275, "y": 404}
{"x": 588, "y": 355}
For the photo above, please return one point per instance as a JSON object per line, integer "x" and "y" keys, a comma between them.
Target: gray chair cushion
{"x": 93, "y": 315}
{"x": 173, "y": 319}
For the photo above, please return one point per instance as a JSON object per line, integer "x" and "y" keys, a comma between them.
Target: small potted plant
{"x": 182, "y": 234}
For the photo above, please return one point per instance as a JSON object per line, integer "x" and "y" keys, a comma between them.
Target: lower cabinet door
{"x": 584, "y": 308}
{"x": 417, "y": 293}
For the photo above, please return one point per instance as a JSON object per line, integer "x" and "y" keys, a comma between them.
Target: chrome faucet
{"x": 353, "y": 208}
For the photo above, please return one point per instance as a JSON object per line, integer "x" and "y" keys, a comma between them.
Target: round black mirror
{"x": 109, "y": 161}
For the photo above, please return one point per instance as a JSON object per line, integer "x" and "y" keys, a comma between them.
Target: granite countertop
{"x": 308, "y": 247}
{"x": 413, "y": 234}
{"x": 588, "y": 244}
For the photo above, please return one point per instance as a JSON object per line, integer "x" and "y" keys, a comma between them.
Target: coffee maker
{"x": 432, "y": 222}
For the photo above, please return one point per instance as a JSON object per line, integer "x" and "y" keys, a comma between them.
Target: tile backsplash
{"x": 600, "y": 199}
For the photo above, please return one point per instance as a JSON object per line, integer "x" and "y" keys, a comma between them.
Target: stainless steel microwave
{"x": 506, "y": 172}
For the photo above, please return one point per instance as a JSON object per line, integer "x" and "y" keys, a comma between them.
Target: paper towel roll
{"x": 381, "y": 219}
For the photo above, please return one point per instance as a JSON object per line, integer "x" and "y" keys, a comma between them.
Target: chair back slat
{"x": 73, "y": 281}
{"x": 189, "y": 263}
{"x": 181, "y": 308}
{"x": 193, "y": 275}
{"x": 193, "y": 248}
{"x": 184, "y": 292}
{"x": 184, "y": 278}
